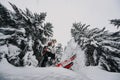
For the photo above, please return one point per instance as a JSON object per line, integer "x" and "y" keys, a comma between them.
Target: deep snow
{"x": 95, "y": 73}
{"x": 9, "y": 72}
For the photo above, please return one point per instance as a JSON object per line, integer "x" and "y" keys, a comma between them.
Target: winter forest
{"x": 91, "y": 52}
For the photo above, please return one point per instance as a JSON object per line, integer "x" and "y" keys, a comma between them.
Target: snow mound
{"x": 9, "y": 72}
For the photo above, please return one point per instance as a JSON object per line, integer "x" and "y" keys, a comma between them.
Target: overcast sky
{"x": 62, "y": 13}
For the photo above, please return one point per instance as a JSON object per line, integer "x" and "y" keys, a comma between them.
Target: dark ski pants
{"x": 47, "y": 54}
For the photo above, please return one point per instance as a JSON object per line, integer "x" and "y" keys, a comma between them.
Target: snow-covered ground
{"x": 9, "y": 72}
{"x": 95, "y": 73}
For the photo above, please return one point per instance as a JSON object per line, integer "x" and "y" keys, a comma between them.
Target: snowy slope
{"x": 9, "y": 72}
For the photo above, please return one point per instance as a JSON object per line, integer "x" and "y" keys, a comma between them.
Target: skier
{"x": 49, "y": 53}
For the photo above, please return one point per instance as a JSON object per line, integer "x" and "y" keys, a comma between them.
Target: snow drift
{"x": 9, "y": 72}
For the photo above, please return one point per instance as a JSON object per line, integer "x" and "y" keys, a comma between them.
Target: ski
{"x": 67, "y": 63}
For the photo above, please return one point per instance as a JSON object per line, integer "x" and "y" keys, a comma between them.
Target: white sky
{"x": 62, "y": 13}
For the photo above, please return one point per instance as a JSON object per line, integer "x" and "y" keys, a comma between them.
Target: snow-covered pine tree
{"x": 5, "y": 17}
{"x": 25, "y": 35}
{"x": 115, "y": 22}
{"x": 100, "y": 46}
{"x": 59, "y": 52}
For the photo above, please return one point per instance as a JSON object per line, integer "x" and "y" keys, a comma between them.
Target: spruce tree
{"x": 27, "y": 33}
{"x": 100, "y": 46}
{"x": 59, "y": 52}
{"x": 115, "y": 22}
